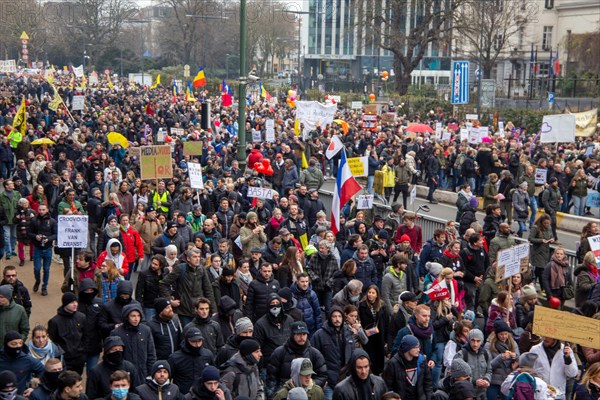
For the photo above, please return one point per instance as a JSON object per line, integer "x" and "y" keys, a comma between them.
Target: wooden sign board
{"x": 566, "y": 326}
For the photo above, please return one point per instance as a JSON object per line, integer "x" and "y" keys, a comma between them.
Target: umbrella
{"x": 43, "y": 141}
{"x": 343, "y": 124}
{"x": 419, "y": 128}
{"x": 117, "y": 138}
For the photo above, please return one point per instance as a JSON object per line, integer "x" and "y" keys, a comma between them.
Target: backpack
{"x": 522, "y": 387}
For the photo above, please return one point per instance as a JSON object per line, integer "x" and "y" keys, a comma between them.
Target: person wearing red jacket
{"x": 414, "y": 232}
{"x": 255, "y": 156}
{"x": 132, "y": 243}
{"x": 114, "y": 253}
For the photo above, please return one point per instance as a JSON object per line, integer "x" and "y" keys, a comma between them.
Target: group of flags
{"x": 553, "y": 64}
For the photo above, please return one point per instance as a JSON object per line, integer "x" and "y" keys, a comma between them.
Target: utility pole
{"x": 241, "y": 151}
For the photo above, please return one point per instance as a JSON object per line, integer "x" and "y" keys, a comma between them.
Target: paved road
{"x": 448, "y": 212}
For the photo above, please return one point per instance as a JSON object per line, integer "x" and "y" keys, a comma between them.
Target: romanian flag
{"x": 200, "y": 79}
{"x": 156, "y": 82}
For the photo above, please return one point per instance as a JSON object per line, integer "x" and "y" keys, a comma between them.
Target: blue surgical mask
{"x": 120, "y": 393}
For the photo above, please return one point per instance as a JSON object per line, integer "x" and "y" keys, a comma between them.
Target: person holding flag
{"x": 345, "y": 188}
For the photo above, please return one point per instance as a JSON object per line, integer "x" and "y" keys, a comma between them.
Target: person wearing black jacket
{"x": 98, "y": 378}
{"x": 272, "y": 329}
{"x": 112, "y": 313}
{"x": 95, "y": 217}
{"x": 166, "y": 331}
{"x": 91, "y": 306}
{"x": 506, "y": 187}
{"x": 66, "y": 329}
{"x": 147, "y": 289}
{"x": 190, "y": 360}
{"x": 20, "y": 293}
{"x": 433, "y": 170}
{"x": 475, "y": 261}
{"x": 361, "y": 384}
{"x": 229, "y": 313}
{"x": 407, "y": 373}
{"x": 259, "y": 291}
{"x": 158, "y": 385}
{"x": 243, "y": 330}
{"x": 42, "y": 233}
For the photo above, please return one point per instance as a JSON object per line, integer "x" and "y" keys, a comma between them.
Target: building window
{"x": 549, "y": 4}
{"x": 498, "y": 42}
{"x": 547, "y": 38}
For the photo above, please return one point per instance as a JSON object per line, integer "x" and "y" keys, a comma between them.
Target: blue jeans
{"x": 328, "y": 392}
{"x": 533, "y": 205}
{"x": 443, "y": 180}
{"x": 149, "y": 313}
{"x": 370, "y": 182}
{"x": 493, "y": 392}
{"x": 522, "y": 228}
{"x": 438, "y": 354}
{"x": 579, "y": 203}
{"x": 40, "y": 255}
{"x": 10, "y": 239}
{"x": 432, "y": 187}
{"x": 6, "y": 168}
{"x": 471, "y": 182}
{"x": 564, "y": 207}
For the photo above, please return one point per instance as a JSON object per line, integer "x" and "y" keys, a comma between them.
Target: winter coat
{"x": 365, "y": 271}
{"x": 395, "y": 377}
{"x": 112, "y": 312}
{"x": 271, "y": 335}
{"x": 489, "y": 291}
{"x": 466, "y": 219}
{"x": 151, "y": 391}
{"x": 211, "y": 332}
{"x": 307, "y": 303}
{"x": 98, "y": 379}
{"x": 551, "y": 200}
{"x": 326, "y": 341}
{"x": 166, "y": 335}
{"x": 139, "y": 343}
{"x": 557, "y": 373}
{"x": 497, "y": 311}
{"x": 480, "y": 364}
{"x": 92, "y": 339}
{"x": 539, "y": 255}
{"x": 279, "y": 364}
{"x": 585, "y": 280}
{"x": 147, "y": 288}
{"x": 21, "y": 295}
{"x": 24, "y": 365}
{"x": 251, "y": 240}
{"x": 520, "y": 202}
{"x": 133, "y": 246}
{"x": 290, "y": 178}
{"x": 475, "y": 263}
{"x": 14, "y": 318}
{"x": 498, "y": 243}
{"x": 392, "y": 285}
{"x": 10, "y": 205}
{"x": 189, "y": 283}
{"x": 163, "y": 240}
{"x": 258, "y": 295}
{"x": 241, "y": 378}
{"x": 187, "y": 365}
{"x": 347, "y": 389}
{"x": 501, "y": 367}
{"x": 66, "y": 330}
{"x": 45, "y": 226}
{"x": 312, "y": 177}
{"x": 491, "y": 226}
{"x": 148, "y": 231}
{"x": 490, "y": 191}
{"x": 321, "y": 269}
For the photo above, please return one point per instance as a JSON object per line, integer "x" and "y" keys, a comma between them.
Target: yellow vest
{"x": 163, "y": 199}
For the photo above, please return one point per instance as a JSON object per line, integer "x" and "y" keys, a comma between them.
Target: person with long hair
{"x": 243, "y": 278}
{"x": 37, "y": 197}
{"x": 341, "y": 278}
{"x": 458, "y": 338}
{"x": 540, "y": 237}
{"x": 291, "y": 265}
{"x": 503, "y": 351}
{"x": 557, "y": 276}
{"x": 373, "y": 318}
{"x": 41, "y": 347}
{"x": 589, "y": 388}
{"x": 501, "y": 308}
{"x": 110, "y": 280}
{"x": 587, "y": 276}
{"x": 352, "y": 321}
{"x": 579, "y": 187}
{"x": 443, "y": 317}
{"x": 589, "y": 229}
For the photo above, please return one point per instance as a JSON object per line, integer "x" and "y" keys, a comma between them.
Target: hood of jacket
{"x": 125, "y": 287}
{"x": 110, "y": 243}
{"x": 226, "y": 305}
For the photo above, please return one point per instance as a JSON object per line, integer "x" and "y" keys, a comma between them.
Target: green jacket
{"x": 312, "y": 177}
{"x": 64, "y": 205}
{"x": 530, "y": 183}
{"x": 10, "y": 206}
{"x": 500, "y": 242}
{"x": 403, "y": 175}
{"x": 314, "y": 393}
{"x": 13, "y": 318}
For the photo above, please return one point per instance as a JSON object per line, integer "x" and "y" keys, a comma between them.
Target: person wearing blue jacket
{"x": 15, "y": 357}
{"x": 365, "y": 267}
{"x": 307, "y": 303}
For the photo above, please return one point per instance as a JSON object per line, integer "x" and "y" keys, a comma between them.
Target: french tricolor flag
{"x": 345, "y": 187}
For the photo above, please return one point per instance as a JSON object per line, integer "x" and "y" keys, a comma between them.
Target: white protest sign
{"x": 313, "y": 113}
{"x": 195, "y": 173}
{"x": 501, "y": 126}
{"x": 474, "y": 137}
{"x": 446, "y": 135}
{"x": 594, "y": 242}
{"x": 270, "y": 130}
{"x": 365, "y": 202}
{"x": 77, "y": 103}
{"x": 472, "y": 117}
{"x": 261, "y": 193}
{"x": 558, "y": 128}
{"x": 464, "y": 134}
{"x": 438, "y": 130}
{"x": 510, "y": 260}
{"x": 72, "y": 231}
{"x": 356, "y": 105}
{"x": 256, "y": 136}
{"x": 540, "y": 176}
{"x": 483, "y": 132}
{"x": 177, "y": 132}
{"x": 413, "y": 194}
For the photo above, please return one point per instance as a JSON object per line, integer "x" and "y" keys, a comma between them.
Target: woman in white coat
{"x": 562, "y": 367}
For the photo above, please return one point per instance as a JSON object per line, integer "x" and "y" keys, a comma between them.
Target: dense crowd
{"x": 212, "y": 294}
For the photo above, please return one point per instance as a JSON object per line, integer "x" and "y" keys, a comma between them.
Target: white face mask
{"x": 275, "y": 311}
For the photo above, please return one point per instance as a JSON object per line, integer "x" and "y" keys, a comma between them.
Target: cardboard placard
{"x": 371, "y": 109}
{"x": 356, "y": 105}
{"x": 365, "y": 202}
{"x": 511, "y": 261}
{"x": 261, "y": 193}
{"x": 195, "y": 173}
{"x": 389, "y": 117}
{"x": 179, "y": 132}
{"x": 566, "y": 326}
{"x": 540, "y": 176}
{"x": 155, "y": 162}
{"x": 72, "y": 231}
{"x": 192, "y": 149}
{"x": 359, "y": 166}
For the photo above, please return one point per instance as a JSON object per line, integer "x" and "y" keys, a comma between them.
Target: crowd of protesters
{"x": 212, "y": 294}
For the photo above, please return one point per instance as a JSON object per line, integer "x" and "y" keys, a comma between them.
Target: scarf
{"x": 558, "y": 271}
{"x": 112, "y": 231}
{"x": 593, "y": 271}
{"x": 244, "y": 280}
{"x": 43, "y": 354}
{"x": 420, "y": 333}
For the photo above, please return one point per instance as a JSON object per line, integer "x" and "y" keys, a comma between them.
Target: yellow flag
{"x": 56, "y": 100}
{"x": 110, "y": 84}
{"x": 297, "y": 127}
{"x": 304, "y": 162}
{"x": 83, "y": 82}
{"x": 20, "y": 119}
{"x": 156, "y": 82}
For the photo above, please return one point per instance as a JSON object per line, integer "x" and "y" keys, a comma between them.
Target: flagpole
{"x": 63, "y": 103}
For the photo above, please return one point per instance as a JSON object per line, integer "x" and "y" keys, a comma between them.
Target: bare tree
{"x": 490, "y": 30}
{"x": 16, "y": 18}
{"x": 406, "y": 28}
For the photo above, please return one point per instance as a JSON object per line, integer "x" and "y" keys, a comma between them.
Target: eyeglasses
{"x": 10, "y": 276}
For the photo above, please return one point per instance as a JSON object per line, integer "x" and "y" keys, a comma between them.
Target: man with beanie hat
{"x": 457, "y": 384}
{"x": 243, "y": 330}
{"x": 67, "y": 329}
{"x": 297, "y": 345}
{"x": 138, "y": 341}
{"x": 240, "y": 374}
{"x": 98, "y": 379}
{"x": 90, "y": 305}
{"x": 8, "y": 386}
{"x": 289, "y": 303}
{"x": 209, "y": 387}
{"x": 407, "y": 373}
{"x": 524, "y": 379}
{"x": 475, "y": 261}
{"x": 468, "y": 215}
{"x": 361, "y": 384}
{"x": 166, "y": 330}
{"x": 190, "y": 360}
{"x": 158, "y": 385}
{"x": 474, "y": 354}
{"x": 13, "y": 316}
{"x": 301, "y": 384}
{"x": 335, "y": 341}
{"x": 112, "y": 313}
{"x": 15, "y": 357}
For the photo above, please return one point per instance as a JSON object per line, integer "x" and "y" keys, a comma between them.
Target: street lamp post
{"x": 85, "y": 55}
{"x": 241, "y": 151}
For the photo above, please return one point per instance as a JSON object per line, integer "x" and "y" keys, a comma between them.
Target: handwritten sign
{"x": 594, "y": 242}
{"x": 356, "y": 105}
{"x": 77, "y": 103}
{"x": 566, "y": 326}
{"x": 192, "y": 149}
{"x": 593, "y": 199}
{"x": 472, "y": 117}
{"x": 365, "y": 202}
{"x": 558, "y": 128}
{"x": 195, "y": 173}
{"x": 413, "y": 194}
{"x": 464, "y": 134}
{"x": 358, "y": 166}
{"x": 261, "y": 193}
{"x": 177, "y": 132}
{"x": 72, "y": 231}
{"x": 270, "y": 130}
{"x": 155, "y": 162}
{"x": 511, "y": 261}
{"x": 256, "y": 136}
{"x": 540, "y": 176}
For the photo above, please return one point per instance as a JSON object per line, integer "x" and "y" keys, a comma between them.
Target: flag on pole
{"x": 535, "y": 62}
{"x": 19, "y": 126}
{"x": 83, "y": 81}
{"x": 550, "y": 65}
{"x": 334, "y": 147}
{"x": 72, "y": 82}
{"x": 224, "y": 87}
{"x": 345, "y": 187}
{"x": 263, "y": 93}
{"x": 438, "y": 291}
{"x": 227, "y": 97}
{"x": 156, "y": 82}
{"x": 200, "y": 79}
{"x": 556, "y": 64}
{"x": 189, "y": 93}
{"x": 55, "y": 102}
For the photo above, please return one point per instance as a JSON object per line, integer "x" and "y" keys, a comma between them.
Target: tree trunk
{"x": 402, "y": 75}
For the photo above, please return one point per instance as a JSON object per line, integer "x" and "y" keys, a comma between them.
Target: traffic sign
{"x": 460, "y": 82}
